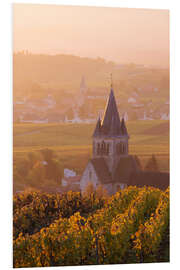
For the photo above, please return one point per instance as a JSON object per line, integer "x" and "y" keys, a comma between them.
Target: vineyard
{"x": 69, "y": 141}
{"x": 131, "y": 226}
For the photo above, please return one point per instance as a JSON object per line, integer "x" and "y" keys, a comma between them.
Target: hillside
{"x": 47, "y": 88}
{"x": 162, "y": 128}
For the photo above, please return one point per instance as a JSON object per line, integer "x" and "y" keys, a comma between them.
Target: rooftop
{"x": 110, "y": 125}
{"x": 126, "y": 166}
{"x": 147, "y": 178}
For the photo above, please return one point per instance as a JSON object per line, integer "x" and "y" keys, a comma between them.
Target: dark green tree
{"x": 138, "y": 162}
{"x": 33, "y": 158}
{"x": 48, "y": 154}
{"x": 54, "y": 171}
{"x": 152, "y": 164}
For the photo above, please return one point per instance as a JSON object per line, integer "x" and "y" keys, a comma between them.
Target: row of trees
{"x": 43, "y": 171}
{"x": 40, "y": 170}
{"x": 152, "y": 164}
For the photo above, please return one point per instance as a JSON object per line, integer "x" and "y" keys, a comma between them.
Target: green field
{"x": 72, "y": 142}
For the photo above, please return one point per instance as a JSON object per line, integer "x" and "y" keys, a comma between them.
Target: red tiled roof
{"x": 72, "y": 179}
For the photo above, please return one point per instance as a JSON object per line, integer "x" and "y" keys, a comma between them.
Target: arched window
{"x": 107, "y": 149}
{"x": 118, "y": 148}
{"x": 103, "y": 148}
{"x": 124, "y": 148}
{"x": 121, "y": 148}
{"x": 98, "y": 149}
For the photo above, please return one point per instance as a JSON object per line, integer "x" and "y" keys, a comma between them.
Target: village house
{"x": 70, "y": 180}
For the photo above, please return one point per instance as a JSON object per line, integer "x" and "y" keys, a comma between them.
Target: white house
{"x": 131, "y": 100}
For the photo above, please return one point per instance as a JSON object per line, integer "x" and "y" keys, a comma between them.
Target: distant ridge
{"x": 160, "y": 129}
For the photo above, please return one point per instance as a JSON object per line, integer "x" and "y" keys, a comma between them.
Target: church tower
{"x": 110, "y": 137}
{"x": 83, "y": 87}
{"x": 82, "y": 92}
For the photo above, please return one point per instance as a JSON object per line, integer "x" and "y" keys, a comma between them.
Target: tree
{"x": 33, "y": 158}
{"x": 101, "y": 192}
{"x": 17, "y": 178}
{"x": 152, "y": 164}
{"x": 37, "y": 175}
{"x": 44, "y": 169}
{"x": 89, "y": 189}
{"x": 138, "y": 162}
{"x": 48, "y": 154}
{"x": 54, "y": 171}
{"x": 23, "y": 167}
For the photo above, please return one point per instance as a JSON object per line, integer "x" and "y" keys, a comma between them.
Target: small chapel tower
{"x": 110, "y": 137}
{"x": 82, "y": 92}
{"x": 83, "y": 87}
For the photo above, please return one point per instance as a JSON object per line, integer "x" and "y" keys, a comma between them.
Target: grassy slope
{"x": 72, "y": 142}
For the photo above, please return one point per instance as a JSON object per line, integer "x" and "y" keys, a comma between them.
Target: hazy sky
{"x": 118, "y": 34}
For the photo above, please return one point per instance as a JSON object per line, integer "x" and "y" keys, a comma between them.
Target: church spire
{"x": 123, "y": 127}
{"x": 83, "y": 83}
{"x": 110, "y": 125}
{"x": 111, "y": 120}
{"x": 97, "y": 131}
{"x": 111, "y": 82}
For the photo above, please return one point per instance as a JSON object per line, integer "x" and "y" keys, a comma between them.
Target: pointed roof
{"x": 111, "y": 121}
{"x": 123, "y": 127}
{"x": 97, "y": 131}
{"x": 110, "y": 125}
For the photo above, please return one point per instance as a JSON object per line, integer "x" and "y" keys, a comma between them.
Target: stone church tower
{"x": 110, "y": 137}
{"x": 82, "y": 92}
{"x": 111, "y": 165}
{"x": 83, "y": 87}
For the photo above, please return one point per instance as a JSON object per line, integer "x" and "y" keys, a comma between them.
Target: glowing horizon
{"x": 122, "y": 35}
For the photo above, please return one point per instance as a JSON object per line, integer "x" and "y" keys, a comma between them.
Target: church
{"x": 111, "y": 165}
